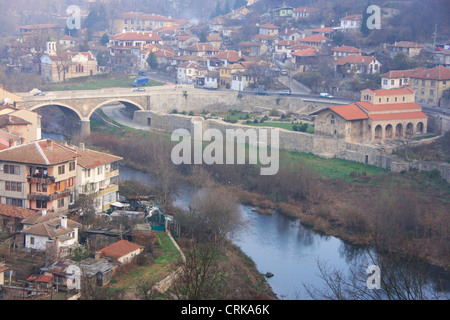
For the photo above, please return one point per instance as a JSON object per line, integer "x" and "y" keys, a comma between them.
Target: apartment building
{"x": 430, "y": 84}
{"x": 38, "y": 175}
{"x": 97, "y": 176}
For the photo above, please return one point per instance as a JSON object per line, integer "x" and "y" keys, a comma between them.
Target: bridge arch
{"x": 114, "y": 100}
{"x": 58, "y": 104}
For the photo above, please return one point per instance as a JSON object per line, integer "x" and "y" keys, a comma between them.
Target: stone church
{"x": 380, "y": 116}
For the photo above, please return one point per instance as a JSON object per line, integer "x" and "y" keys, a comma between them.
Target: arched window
{"x": 419, "y": 128}
{"x": 378, "y": 132}
{"x": 388, "y": 132}
{"x": 399, "y": 130}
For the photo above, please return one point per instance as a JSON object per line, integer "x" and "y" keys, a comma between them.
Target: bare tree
{"x": 218, "y": 208}
{"x": 201, "y": 275}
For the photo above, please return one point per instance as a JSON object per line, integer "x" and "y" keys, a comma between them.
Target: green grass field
{"x": 282, "y": 125}
{"x": 99, "y": 82}
{"x": 335, "y": 168}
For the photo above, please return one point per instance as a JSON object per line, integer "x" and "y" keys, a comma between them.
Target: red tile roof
{"x": 389, "y": 106}
{"x": 15, "y": 212}
{"x": 269, "y": 26}
{"x": 91, "y": 159}
{"x": 40, "y": 278}
{"x": 346, "y": 49}
{"x": 314, "y": 38}
{"x": 390, "y": 92}
{"x": 394, "y": 74}
{"x": 144, "y": 16}
{"x": 355, "y": 59}
{"x": 230, "y": 55}
{"x": 309, "y": 52}
{"x": 350, "y": 112}
{"x": 353, "y": 17}
{"x": 119, "y": 249}
{"x": 398, "y": 116}
{"x": 436, "y": 73}
{"x": 407, "y": 44}
{"x": 137, "y": 36}
{"x": 44, "y": 152}
{"x": 323, "y": 29}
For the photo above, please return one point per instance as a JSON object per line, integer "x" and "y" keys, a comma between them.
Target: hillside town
{"x": 69, "y": 223}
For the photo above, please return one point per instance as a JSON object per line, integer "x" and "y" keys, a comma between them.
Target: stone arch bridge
{"x": 166, "y": 98}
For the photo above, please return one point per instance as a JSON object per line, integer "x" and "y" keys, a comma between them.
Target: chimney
{"x": 82, "y": 146}
{"x": 64, "y": 222}
{"x": 44, "y": 212}
{"x": 10, "y": 142}
{"x": 49, "y": 143}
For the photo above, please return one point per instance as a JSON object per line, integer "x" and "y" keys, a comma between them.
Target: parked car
{"x": 39, "y": 94}
{"x": 138, "y": 89}
{"x": 142, "y": 73}
{"x": 284, "y": 92}
{"x": 326, "y": 95}
{"x": 261, "y": 93}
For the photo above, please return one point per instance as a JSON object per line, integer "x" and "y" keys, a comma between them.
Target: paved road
{"x": 113, "y": 111}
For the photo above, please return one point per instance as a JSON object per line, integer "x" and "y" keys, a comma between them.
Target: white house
{"x": 97, "y": 176}
{"x": 241, "y": 80}
{"x": 351, "y": 22}
{"x": 36, "y": 236}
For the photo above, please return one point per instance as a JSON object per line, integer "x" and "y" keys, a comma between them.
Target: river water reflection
{"x": 282, "y": 246}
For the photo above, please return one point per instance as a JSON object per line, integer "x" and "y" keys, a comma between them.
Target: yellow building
{"x": 430, "y": 84}
{"x": 138, "y": 21}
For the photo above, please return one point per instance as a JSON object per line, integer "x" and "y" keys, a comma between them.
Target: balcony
{"x": 112, "y": 173}
{"x": 48, "y": 197}
{"x": 40, "y": 178}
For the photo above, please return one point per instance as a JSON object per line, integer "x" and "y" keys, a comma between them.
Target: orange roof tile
{"x": 91, "y": 159}
{"x": 390, "y": 92}
{"x": 44, "y": 152}
{"x": 269, "y": 26}
{"x": 350, "y": 112}
{"x": 355, "y": 59}
{"x": 314, "y": 38}
{"x": 119, "y": 249}
{"x": 436, "y": 73}
{"x": 137, "y": 36}
{"x": 346, "y": 49}
{"x": 391, "y": 106}
{"x": 398, "y": 116}
{"x": 15, "y": 212}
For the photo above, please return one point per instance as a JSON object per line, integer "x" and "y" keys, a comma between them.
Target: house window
{"x": 444, "y": 83}
{"x": 14, "y": 202}
{"x": 433, "y": 83}
{"x": 431, "y": 92}
{"x": 72, "y": 166}
{"x": 61, "y": 203}
{"x": 62, "y": 169}
{"x": 99, "y": 170}
{"x": 32, "y": 240}
{"x": 332, "y": 119}
{"x": 385, "y": 82}
{"x": 41, "y": 204}
{"x": 416, "y": 81}
{"x": 11, "y": 169}
{"x": 87, "y": 173}
{"x": 57, "y": 186}
{"x": 392, "y": 82}
{"x": 13, "y": 186}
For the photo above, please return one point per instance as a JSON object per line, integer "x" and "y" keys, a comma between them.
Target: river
{"x": 282, "y": 246}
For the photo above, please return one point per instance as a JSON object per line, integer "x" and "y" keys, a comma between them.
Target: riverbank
{"x": 407, "y": 211}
